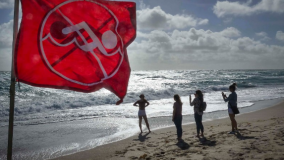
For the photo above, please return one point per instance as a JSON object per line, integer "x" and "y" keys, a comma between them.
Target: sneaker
{"x": 232, "y": 132}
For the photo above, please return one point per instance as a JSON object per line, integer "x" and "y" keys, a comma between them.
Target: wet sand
{"x": 261, "y": 136}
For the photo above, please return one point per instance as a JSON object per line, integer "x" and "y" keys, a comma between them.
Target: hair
{"x": 200, "y": 95}
{"x": 177, "y": 98}
{"x": 232, "y": 87}
{"x": 235, "y": 84}
{"x": 141, "y": 96}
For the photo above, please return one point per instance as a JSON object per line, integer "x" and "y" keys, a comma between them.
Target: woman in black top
{"x": 177, "y": 116}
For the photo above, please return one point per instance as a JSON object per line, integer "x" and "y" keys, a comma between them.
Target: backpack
{"x": 203, "y": 107}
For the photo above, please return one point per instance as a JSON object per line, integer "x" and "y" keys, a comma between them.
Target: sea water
{"x": 51, "y": 122}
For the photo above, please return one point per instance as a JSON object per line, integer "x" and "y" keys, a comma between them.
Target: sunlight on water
{"x": 44, "y": 105}
{"x": 93, "y": 119}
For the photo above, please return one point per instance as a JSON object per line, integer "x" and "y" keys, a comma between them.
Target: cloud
{"x": 228, "y": 20}
{"x": 156, "y": 18}
{"x": 5, "y": 59}
{"x": 202, "y": 48}
{"x": 230, "y": 32}
{"x": 263, "y": 36}
{"x": 6, "y": 4}
{"x": 6, "y": 34}
{"x": 6, "y": 38}
{"x": 280, "y": 35}
{"x": 226, "y": 8}
{"x": 142, "y": 5}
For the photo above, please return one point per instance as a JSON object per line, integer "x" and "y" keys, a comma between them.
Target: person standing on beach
{"x": 198, "y": 112}
{"x": 232, "y": 100}
{"x": 142, "y": 113}
{"x": 177, "y": 116}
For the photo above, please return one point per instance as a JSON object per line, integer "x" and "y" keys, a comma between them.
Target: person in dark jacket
{"x": 232, "y": 101}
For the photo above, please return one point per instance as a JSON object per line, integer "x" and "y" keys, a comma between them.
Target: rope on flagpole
{"x": 13, "y": 83}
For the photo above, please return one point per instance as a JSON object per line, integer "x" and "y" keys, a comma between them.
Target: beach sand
{"x": 261, "y": 136}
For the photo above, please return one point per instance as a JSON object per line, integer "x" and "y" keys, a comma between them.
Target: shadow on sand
{"x": 242, "y": 137}
{"x": 183, "y": 145}
{"x": 142, "y": 137}
{"x": 207, "y": 142}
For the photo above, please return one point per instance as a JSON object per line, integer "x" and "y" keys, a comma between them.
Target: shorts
{"x": 141, "y": 113}
{"x": 230, "y": 111}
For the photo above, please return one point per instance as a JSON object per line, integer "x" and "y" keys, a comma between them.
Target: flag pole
{"x": 13, "y": 82}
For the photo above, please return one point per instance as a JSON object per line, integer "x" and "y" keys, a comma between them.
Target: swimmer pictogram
{"x": 80, "y": 35}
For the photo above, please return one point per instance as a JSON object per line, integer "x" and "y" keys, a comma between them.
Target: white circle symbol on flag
{"x": 109, "y": 39}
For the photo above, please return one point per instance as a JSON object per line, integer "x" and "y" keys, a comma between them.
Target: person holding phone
{"x": 197, "y": 102}
{"x": 232, "y": 102}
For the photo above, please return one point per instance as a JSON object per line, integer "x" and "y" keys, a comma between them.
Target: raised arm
{"x": 147, "y": 103}
{"x": 191, "y": 103}
{"x": 135, "y": 104}
{"x": 226, "y": 99}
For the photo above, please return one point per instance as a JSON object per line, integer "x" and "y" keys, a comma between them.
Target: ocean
{"x": 51, "y": 122}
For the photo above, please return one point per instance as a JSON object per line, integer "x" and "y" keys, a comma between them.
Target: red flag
{"x": 75, "y": 44}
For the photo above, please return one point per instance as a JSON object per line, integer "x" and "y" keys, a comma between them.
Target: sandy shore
{"x": 261, "y": 137}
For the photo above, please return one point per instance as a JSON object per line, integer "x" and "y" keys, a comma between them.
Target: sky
{"x": 192, "y": 34}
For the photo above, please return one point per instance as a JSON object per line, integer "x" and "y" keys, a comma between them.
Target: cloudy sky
{"x": 193, "y": 34}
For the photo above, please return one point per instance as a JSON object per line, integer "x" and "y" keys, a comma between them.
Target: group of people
{"x": 197, "y": 103}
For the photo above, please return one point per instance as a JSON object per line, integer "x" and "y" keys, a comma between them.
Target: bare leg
{"x": 146, "y": 121}
{"x": 231, "y": 118}
{"x": 233, "y": 122}
{"x": 140, "y": 123}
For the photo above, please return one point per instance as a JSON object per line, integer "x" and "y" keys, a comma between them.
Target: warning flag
{"x": 77, "y": 45}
